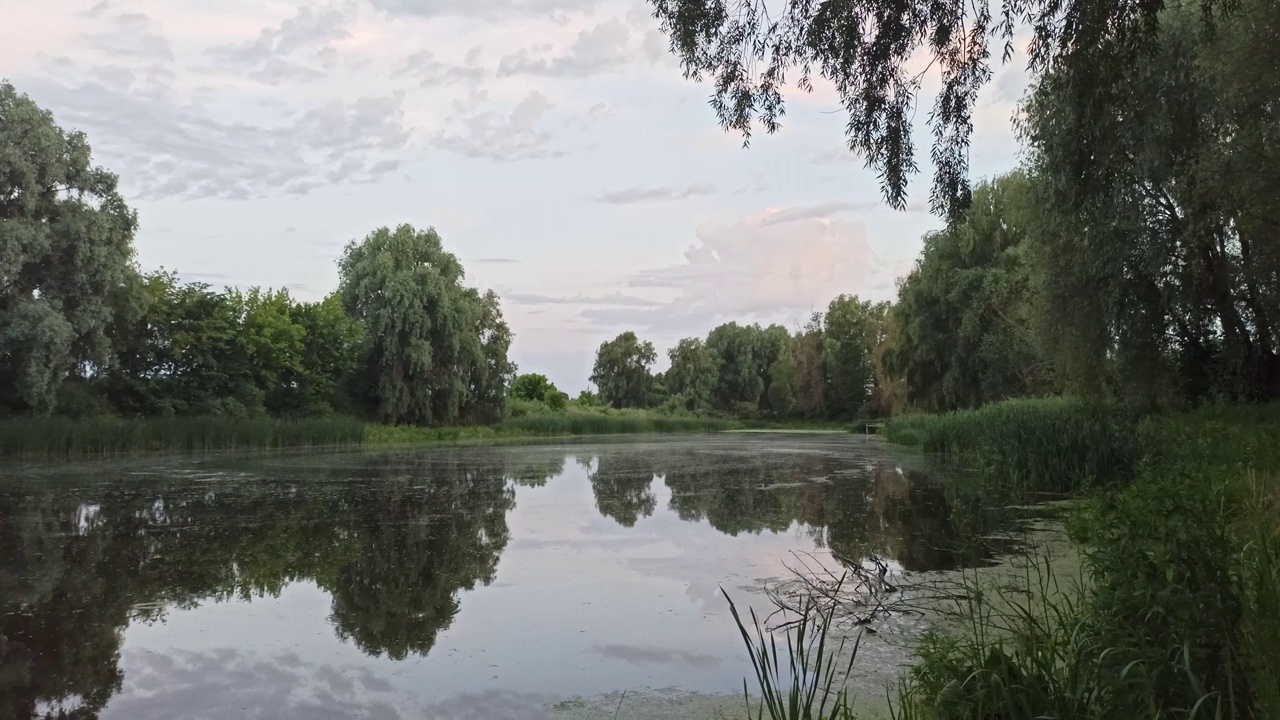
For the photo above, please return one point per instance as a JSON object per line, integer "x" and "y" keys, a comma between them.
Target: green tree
{"x": 810, "y": 379}
{"x": 1159, "y": 214}
{"x": 332, "y": 345}
{"x": 621, "y": 370}
{"x": 962, "y": 324}
{"x": 531, "y": 387}
{"x": 848, "y": 340}
{"x": 738, "y": 376}
{"x": 865, "y": 48}
{"x": 692, "y": 374}
{"x": 433, "y": 343}
{"x": 66, "y": 251}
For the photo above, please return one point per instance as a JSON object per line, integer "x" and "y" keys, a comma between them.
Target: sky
{"x": 555, "y": 145}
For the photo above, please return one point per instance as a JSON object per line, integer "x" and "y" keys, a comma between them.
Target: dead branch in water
{"x": 852, "y": 594}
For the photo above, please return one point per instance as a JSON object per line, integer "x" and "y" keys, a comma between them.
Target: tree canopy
{"x": 621, "y": 371}
{"x": 436, "y": 348}
{"x": 66, "y": 254}
{"x": 868, "y": 48}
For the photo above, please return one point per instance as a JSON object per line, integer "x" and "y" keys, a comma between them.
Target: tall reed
{"x": 58, "y": 437}
{"x": 810, "y": 686}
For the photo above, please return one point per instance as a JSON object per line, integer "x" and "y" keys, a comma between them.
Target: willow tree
{"x": 66, "y": 253}
{"x": 435, "y": 347}
{"x": 866, "y": 49}
{"x": 1161, "y": 230}
{"x": 621, "y": 371}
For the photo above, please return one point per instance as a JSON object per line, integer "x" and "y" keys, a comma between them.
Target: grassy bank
{"x": 59, "y": 437}
{"x": 1179, "y": 531}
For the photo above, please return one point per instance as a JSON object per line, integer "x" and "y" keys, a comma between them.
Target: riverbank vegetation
{"x": 1100, "y": 321}
{"x": 98, "y": 356}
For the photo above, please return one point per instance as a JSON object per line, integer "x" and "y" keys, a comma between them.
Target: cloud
{"x": 129, "y": 36}
{"x": 604, "y": 48}
{"x": 774, "y": 266}
{"x": 166, "y": 146}
{"x": 632, "y": 195}
{"x": 495, "y": 261}
{"x": 611, "y": 299}
{"x": 835, "y": 156}
{"x": 268, "y": 59}
{"x": 520, "y": 135}
{"x": 490, "y": 9}
{"x": 430, "y": 72}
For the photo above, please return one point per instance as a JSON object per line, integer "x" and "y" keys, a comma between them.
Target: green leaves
{"x": 621, "y": 371}
{"x": 437, "y": 350}
{"x": 66, "y": 250}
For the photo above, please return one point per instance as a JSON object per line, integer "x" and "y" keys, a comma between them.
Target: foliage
{"x": 866, "y": 49}
{"x": 1057, "y": 445}
{"x": 961, "y": 326}
{"x": 1155, "y": 229}
{"x": 531, "y": 386}
{"x": 692, "y": 374}
{"x": 66, "y": 250}
{"x": 812, "y": 686}
{"x": 104, "y": 436}
{"x": 437, "y": 350}
{"x": 621, "y": 371}
{"x": 849, "y": 337}
{"x": 1177, "y": 613}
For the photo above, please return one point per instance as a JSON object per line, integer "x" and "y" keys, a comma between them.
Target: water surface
{"x": 517, "y": 582}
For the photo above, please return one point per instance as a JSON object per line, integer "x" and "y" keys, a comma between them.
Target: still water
{"x": 516, "y": 582}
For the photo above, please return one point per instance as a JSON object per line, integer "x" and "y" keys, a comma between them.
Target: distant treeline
{"x": 826, "y": 370}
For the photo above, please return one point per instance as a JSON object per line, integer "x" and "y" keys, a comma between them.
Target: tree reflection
{"x": 393, "y": 540}
{"x": 622, "y": 482}
{"x": 393, "y": 548}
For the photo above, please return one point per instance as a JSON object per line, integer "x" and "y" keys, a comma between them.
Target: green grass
{"x": 59, "y": 437}
{"x": 1178, "y": 615}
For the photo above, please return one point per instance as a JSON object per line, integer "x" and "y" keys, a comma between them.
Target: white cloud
{"x": 775, "y": 265}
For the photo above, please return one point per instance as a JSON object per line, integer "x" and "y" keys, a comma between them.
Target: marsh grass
{"x": 1053, "y": 445}
{"x": 1178, "y": 611}
{"x": 57, "y": 437}
{"x": 805, "y": 683}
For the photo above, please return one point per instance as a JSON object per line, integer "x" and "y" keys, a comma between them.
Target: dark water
{"x": 444, "y": 583}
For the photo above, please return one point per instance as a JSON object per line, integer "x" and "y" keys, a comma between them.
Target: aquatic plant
{"x": 54, "y": 437}
{"x": 1179, "y": 611}
{"x": 810, "y": 686}
{"x": 1048, "y": 445}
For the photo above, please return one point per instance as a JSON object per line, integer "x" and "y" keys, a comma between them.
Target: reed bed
{"x": 1046, "y": 445}
{"x": 60, "y": 437}
{"x": 1178, "y": 613}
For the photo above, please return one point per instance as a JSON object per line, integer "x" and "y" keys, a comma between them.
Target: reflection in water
{"x": 394, "y": 540}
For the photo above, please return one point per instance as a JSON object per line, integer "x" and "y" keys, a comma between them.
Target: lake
{"x": 507, "y": 582}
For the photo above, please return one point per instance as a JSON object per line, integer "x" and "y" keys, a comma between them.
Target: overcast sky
{"x": 554, "y": 144}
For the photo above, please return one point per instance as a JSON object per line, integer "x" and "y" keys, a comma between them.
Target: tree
{"x": 809, "y": 380}
{"x": 738, "y": 377}
{"x": 66, "y": 252}
{"x": 434, "y": 345}
{"x": 692, "y": 374}
{"x": 962, "y": 324}
{"x": 531, "y": 387}
{"x": 332, "y": 345}
{"x": 772, "y": 345}
{"x": 1159, "y": 214}
{"x": 847, "y": 344}
{"x": 865, "y": 47}
{"x": 621, "y": 371}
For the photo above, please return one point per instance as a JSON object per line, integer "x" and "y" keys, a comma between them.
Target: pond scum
{"x": 1177, "y": 612}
